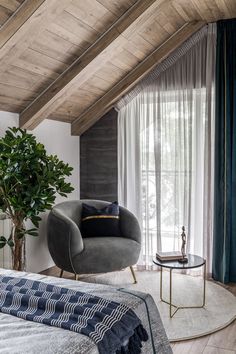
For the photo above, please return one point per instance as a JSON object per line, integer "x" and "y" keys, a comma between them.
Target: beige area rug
{"x": 220, "y": 309}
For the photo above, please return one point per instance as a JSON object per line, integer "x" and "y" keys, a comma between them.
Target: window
{"x": 172, "y": 156}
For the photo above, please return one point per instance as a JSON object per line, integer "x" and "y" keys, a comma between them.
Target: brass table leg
{"x": 170, "y": 291}
{"x": 170, "y": 294}
{"x": 204, "y": 286}
{"x": 161, "y": 285}
{"x": 133, "y": 274}
{"x": 171, "y": 305}
{"x": 76, "y": 276}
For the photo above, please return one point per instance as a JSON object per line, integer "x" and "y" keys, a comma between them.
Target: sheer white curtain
{"x": 165, "y": 161}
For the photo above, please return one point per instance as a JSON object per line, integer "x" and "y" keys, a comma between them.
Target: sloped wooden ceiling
{"x": 70, "y": 60}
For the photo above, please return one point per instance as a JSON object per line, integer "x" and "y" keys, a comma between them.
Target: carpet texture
{"x": 220, "y": 309}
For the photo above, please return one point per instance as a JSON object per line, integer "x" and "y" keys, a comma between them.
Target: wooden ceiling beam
{"x": 18, "y": 18}
{"x": 107, "y": 101}
{"x": 49, "y": 100}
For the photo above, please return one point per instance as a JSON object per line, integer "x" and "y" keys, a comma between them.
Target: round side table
{"x": 193, "y": 262}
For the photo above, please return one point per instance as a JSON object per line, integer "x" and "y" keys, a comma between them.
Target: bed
{"x": 18, "y": 336}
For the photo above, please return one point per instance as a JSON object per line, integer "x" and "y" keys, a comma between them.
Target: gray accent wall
{"x": 98, "y": 160}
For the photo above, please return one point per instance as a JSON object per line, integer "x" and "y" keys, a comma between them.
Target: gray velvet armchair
{"x": 73, "y": 253}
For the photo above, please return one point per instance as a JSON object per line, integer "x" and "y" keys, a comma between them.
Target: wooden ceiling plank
{"x": 154, "y": 34}
{"x": 117, "y": 7}
{"x": 86, "y": 95}
{"x": 5, "y": 14}
{"x": 24, "y": 79}
{"x": 5, "y": 99}
{"x": 68, "y": 36}
{"x": 93, "y": 88}
{"x": 148, "y": 16}
{"x": 92, "y": 13}
{"x": 82, "y": 68}
{"x": 15, "y": 43}
{"x": 35, "y": 69}
{"x": 134, "y": 50}
{"x": 139, "y": 42}
{"x": 80, "y": 29}
{"x": 12, "y": 107}
{"x": 125, "y": 60}
{"x": 173, "y": 16}
{"x": 167, "y": 24}
{"x": 16, "y": 81}
{"x": 43, "y": 61}
{"x": 181, "y": 11}
{"x": 111, "y": 72}
{"x": 224, "y": 7}
{"x": 231, "y": 5}
{"x": 97, "y": 82}
{"x": 11, "y": 5}
{"x": 55, "y": 47}
{"x": 186, "y": 7}
{"x": 19, "y": 17}
{"x": 100, "y": 107}
{"x": 203, "y": 10}
{"x": 215, "y": 10}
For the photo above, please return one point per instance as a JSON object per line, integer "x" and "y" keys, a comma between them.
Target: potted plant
{"x": 29, "y": 182}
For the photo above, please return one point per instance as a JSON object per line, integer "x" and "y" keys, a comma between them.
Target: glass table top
{"x": 193, "y": 262}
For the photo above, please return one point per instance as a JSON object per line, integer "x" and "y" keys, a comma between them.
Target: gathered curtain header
{"x": 187, "y": 53}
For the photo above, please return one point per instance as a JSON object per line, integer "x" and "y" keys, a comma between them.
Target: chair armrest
{"x": 64, "y": 239}
{"x": 129, "y": 225}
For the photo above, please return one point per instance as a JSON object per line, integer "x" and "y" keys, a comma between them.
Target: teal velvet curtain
{"x": 224, "y": 242}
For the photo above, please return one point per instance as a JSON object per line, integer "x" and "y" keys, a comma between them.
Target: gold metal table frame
{"x": 171, "y": 305}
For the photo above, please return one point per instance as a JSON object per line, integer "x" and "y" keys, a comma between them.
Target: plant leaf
{"x": 29, "y": 178}
{"x": 10, "y": 243}
{"x": 3, "y": 241}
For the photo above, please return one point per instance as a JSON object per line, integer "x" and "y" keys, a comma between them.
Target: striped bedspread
{"x": 114, "y": 327}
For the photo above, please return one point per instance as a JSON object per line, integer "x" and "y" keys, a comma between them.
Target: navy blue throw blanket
{"x": 114, "y": 327}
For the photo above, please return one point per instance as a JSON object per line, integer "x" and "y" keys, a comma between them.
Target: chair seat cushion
{"x": 103, "y": 254}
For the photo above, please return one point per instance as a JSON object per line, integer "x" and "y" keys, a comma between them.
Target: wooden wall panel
{"x": 98, "y": 160}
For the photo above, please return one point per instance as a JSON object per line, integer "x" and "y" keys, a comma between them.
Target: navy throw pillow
{"x": 100, "y": 222}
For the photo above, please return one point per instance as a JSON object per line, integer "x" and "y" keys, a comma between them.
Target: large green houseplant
{"x": 29, "y": 182}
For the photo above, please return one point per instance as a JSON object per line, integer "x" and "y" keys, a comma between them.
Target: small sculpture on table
{"x": 184, "y": 259}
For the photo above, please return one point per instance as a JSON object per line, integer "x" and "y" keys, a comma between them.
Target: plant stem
{"x": 18, "y": 251}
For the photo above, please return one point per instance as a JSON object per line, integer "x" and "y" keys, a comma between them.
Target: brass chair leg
{"x": 76, "y": 276}
{"x": 133, "y": 274}
{"x": 61, "y": 273}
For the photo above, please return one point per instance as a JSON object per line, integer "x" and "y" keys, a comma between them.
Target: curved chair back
{"x": 65, "y": 241}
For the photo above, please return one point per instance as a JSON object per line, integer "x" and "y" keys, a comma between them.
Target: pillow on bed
{"x": 100, "y": 222}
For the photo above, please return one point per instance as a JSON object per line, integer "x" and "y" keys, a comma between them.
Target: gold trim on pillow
{"x": 100, "y": 217}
